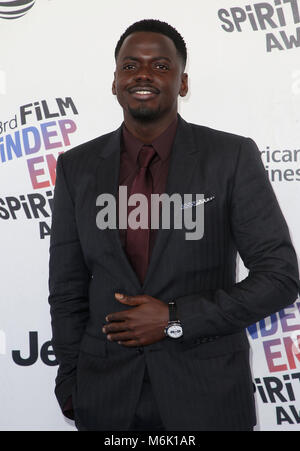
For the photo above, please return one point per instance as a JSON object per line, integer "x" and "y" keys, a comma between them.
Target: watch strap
{"x": 172, "y": 311}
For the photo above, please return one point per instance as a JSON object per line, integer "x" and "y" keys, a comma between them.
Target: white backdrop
{"x": 244, "y": 72}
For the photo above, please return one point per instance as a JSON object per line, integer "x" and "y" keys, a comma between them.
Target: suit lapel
{"x": 180, "y": 175}
{"x": 107, "y": 181}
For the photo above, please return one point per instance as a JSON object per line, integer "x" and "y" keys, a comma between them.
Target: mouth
{"x": 143, "y": 92}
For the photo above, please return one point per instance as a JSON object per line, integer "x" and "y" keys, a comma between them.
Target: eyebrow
{"x": 153, "y": 59}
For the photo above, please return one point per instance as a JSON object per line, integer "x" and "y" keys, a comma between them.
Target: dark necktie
{"x": 137, "y": 240}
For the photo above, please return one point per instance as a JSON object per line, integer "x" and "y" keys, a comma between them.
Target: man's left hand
{"x": 139, "y": 326}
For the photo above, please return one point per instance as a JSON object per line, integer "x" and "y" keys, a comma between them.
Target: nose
{"x": 144, "y": 74}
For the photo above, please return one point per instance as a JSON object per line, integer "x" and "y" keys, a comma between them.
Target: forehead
{"x": 148, "y": 44}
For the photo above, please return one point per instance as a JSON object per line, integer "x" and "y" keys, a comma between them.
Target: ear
{"x": 114, "y": 85}
{"x": 184, "y": 85}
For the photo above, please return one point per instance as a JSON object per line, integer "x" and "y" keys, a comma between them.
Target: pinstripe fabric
{"x": 146, "y": 416}
{"x": 202, "y": 381}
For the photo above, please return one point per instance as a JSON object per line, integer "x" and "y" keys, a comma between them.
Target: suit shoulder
{"x": 88, "y": 150}
{"x": 216, "y": 137}
{"x": 224, "y": 148}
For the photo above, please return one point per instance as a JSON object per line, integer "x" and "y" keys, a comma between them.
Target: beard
{"x": 144, "y": 113}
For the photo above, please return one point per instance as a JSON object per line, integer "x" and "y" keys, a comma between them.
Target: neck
{"x": 148, "y": 131}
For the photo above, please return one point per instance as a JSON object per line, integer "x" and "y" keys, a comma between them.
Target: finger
{"x": 123, "y": 336}
{"x": 130, "y": 300}
{"x": 117, "y": 316}
{"x": 129, "y": 343}
{"x": 117, "y": 326}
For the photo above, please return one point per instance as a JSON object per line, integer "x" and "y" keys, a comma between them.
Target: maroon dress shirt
{"x": 159, "y": 166}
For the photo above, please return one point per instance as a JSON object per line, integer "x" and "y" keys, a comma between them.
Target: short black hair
{"x": 156, "y": 26}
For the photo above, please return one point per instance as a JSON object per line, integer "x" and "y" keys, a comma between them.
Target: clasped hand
{"x": 141, "y": 325}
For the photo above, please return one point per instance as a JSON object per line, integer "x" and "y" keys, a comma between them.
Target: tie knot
{"x": 145, "y": 156}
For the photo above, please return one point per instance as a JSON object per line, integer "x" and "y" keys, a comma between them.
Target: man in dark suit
{"x": 149, "y": 326}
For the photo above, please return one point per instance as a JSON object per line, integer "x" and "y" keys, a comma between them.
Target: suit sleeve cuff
{"x": 68, "y": 409}
{"x": 63, "y": 393}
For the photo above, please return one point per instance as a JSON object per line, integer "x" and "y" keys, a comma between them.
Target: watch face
{"x": 175, "y": 331}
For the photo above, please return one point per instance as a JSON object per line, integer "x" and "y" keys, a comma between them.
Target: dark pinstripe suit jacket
{"x": 200, "y": 382}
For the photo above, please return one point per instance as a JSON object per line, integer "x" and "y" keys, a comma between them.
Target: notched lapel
{"x": 107, "y": 175}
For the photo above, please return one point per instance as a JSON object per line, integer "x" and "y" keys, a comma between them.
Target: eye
{"x": 162, "y": 66}
{"x": 128, "y": 67}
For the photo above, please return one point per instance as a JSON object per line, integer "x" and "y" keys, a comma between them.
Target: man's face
{"x": 149, "y": 76}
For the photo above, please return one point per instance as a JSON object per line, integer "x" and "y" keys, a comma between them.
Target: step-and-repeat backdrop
{"x": 56, "y": 71}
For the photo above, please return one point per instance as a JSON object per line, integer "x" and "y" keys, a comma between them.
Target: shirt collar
{"x": 162, "y": 144}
